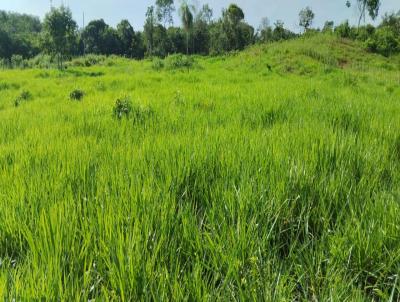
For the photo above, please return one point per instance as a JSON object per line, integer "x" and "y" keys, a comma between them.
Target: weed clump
{"x": 137, "y": 113}
{"x": 88, "y": 61}
{"x": 76, "y": 95}
{"x": 157, "y": 64}
{"x": 6, "y": 86}
{"x": 123, "y": 107}
{"x": 179, "y": 61}
{"x": 24, "y": 96}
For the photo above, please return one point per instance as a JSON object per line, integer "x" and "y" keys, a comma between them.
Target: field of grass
{"x": 271, "y": 175}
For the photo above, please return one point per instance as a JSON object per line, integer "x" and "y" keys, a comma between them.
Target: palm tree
{"x": 187, "y": 21}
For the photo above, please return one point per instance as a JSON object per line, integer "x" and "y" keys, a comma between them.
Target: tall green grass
{"x": 228, "y": 181}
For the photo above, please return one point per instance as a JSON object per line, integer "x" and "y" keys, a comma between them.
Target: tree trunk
{"x": 362, "y": 13}
{"x": 187, "y": 42}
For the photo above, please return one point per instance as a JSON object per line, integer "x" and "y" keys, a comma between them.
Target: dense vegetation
{"x": 58, "y": 38}
{"x": 272, "y": 174}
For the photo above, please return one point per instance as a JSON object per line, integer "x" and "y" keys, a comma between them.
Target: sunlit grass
{"x": 230, "y": 180}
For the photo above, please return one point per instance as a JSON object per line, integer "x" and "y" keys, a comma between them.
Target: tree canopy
{"x": 199, "y": 32}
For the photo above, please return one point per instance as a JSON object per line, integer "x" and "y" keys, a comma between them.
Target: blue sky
{"x": 112, "y": 11}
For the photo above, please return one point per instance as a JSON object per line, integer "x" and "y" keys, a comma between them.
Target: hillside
{"x": 271, "y": 174}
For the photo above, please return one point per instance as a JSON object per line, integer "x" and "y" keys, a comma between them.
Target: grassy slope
{"x": 243, "y": 183}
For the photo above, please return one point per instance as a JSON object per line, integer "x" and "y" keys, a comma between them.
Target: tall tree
{"x": 364, "y": 6}
{"x": 205, "y": 14}
{"x": 165, "y": 8}
{"x": 231, "y": 24}
{"x": 149, "y": 26}
{"x": 5, "y": 45}
{"x": 60, "y": 32}
{"x": 328, "y": 27}
{"x": 306, "y": 18}
{"x": 94, "y": 37}
{"x": 126, "y": 35}
{"x": 234, "y": 14}
{"x": 187, "y": 21}
{"x": 265, "y": 30}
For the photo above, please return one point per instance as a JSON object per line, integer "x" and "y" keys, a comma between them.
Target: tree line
{"x": 26, "y": 36}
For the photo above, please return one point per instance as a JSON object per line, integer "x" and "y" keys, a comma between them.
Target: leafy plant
{"x": 384, "y": 41}
{"x": 157, "y": 64}
{"x": 123, "y": 107}
{"x": 24, "y": 96}
{"x": 76, "y": 95}
{"x": 179, "y": 61}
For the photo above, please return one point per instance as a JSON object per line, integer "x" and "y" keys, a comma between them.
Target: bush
{"x": 139, "y": 114}
{"x": 157, "y": 64}
{"x": 179, "y": 61}
{"x": 16, "y": 61}
{"x": 76, "y": 95}
{"x": 4, "y": 63}
{"x": 343, "y": 30}
{"x": 123, "y": 107}
{"x": 42, "y": 61}
{"x": 365, "y": 32}
{"x": 87, "y": 61}
{"x": 24, "y": 96}
{"x": 384, "y": 41}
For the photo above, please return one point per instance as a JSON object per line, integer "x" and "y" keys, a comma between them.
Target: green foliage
{"x": 157, "y": 64}
{"x": 122, "y": 108}
{"x": 24, "y": 96}
{"x": 17, "y": 61}
{"x": 76, "y": 95}
{"x": 42, "y": 61}
{"x": 60, "y": 33}
{"x": 88, "y": 61}
{"x": 306, "y": 16}
{"x": 328, "y": 27}
{"x": 19, "y": 35}
{"x": 384, "y": 41}
{"x": 148, "y": 29}
{"x": 187, "y": 21}
{"x": 179, "y": 61}
{"x": 236, "y": 181}
{"x": 343, "y": 30}
{"x": 99, "y": 38}
{"x": 165, "y": 8}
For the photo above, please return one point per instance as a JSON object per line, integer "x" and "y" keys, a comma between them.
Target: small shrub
{"x": 137, "y": 113}
{"x": 42, "y": 61}
{"x": 24, "y": 96}
{"x": 343, "y": 30}
{"x": 4, "y": 86}
{"x": 76, "y": 95}
{"x": 179, "y": 61}
{"x": 4, "y": 63}
{"x": 123, "y": 107}
{"x": 17, "y": 61}
{"x": 384, "y": 41}
{"x": 88, "y": 61}
{"x": 157, "y": 64}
